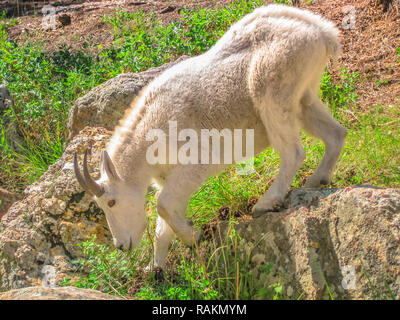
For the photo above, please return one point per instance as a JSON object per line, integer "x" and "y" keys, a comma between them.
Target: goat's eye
{"x": 111, "y": 203}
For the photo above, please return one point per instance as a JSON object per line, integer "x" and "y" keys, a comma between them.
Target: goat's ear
{"x": 107, "y": 167}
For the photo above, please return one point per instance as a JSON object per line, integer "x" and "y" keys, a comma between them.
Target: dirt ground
{"x": 369, "y": 48}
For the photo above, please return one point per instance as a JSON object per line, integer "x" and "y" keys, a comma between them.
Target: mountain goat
{"x": 263, "y": 74}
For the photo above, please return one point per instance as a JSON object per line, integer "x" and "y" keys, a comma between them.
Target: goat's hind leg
{"x": 284, "y": 135}
{"x": 318, "y": 122}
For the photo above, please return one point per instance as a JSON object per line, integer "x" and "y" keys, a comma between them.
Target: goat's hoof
{"x": 311, "y": 184}
{"x": 261, "y": 210}
{"x": 315, "y": 182}
{"x": 324, "y": 182}
{"x": 258, "y": 212}
{"x": 158, "y": 274}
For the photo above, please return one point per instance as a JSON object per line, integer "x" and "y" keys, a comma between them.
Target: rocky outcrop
{"x": 330, "y": 244}
{"x": 105, "y": 105}
{"x": 61, "y": 293}
{"x": 44, "y": 228}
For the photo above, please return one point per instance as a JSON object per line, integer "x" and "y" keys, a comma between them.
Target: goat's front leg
{"x": 171, "y": 210}
{"x": 174, "y": 198}
{"x": 164, "y": 237}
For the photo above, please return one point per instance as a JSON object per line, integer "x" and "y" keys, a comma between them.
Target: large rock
{"x": 105, "y": 105}
{"x": 61, "y": 293}
{"x": 42, "y": 230}
{"x": 330, "y": 243}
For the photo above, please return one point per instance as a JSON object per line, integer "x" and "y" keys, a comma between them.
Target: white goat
{"x": 263, "y": 74}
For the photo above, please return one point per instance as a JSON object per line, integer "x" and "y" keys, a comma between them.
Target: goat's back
{"x": 217, "y": 89}
{"x": 291, "y": 41}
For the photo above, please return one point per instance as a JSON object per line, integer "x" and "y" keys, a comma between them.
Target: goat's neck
{"x": 129, "y": 158}
{"x": 132, "y": 166}
{"x": 129, "y": 145}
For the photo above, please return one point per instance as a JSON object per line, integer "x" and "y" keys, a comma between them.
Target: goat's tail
{"x": 329, "y": 30}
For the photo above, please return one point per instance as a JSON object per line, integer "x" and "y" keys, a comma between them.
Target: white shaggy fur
{"x": 263, "y": 74}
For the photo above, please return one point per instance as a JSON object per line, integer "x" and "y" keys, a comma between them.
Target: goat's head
{"x": 121, "y": 203}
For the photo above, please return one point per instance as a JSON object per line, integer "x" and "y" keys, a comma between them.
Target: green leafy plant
{"x": 108, "y": 270}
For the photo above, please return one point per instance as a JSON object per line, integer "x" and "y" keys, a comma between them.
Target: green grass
{"x": 212, "y": 269}
{"x": 217, "y": 268}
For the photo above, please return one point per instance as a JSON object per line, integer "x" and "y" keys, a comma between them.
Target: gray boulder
{"x": 330, "y": 244}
